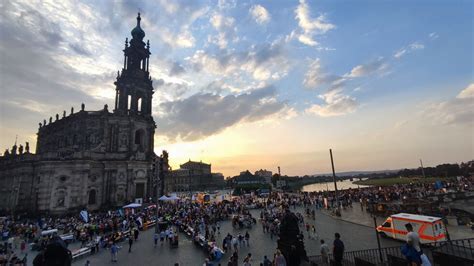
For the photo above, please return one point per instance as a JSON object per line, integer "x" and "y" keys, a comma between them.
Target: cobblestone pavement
{"x": 354, "y": 236}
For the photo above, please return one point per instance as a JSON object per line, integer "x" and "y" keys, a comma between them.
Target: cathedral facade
{"x": 90, "y": 159}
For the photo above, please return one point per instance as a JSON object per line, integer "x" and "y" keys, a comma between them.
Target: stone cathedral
{"x": 90, "y": 159}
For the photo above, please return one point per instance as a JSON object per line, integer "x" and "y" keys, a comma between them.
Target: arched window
{"x": 129, "y": 104}
{"x": 92, "y": 197}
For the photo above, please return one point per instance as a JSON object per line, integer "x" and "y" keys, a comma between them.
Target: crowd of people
{"x": 387, "y": 194}
{"x": 202, "y": 223}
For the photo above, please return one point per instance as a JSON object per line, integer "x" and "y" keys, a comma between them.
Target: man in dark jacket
{"x": 338, "y": 250}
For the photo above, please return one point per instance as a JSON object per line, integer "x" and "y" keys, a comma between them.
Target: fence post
{"x": 378, "y": 239}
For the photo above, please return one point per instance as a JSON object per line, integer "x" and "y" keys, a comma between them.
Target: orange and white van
{"x": 429, "y": 228}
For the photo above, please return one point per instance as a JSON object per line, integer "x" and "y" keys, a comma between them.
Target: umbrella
{"x": 132, "y": 206}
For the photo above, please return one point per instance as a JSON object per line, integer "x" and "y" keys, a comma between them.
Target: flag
{"x": 85, "y": 216}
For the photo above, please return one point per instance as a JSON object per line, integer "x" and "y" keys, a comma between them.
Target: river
{"x": 346, "y": 184}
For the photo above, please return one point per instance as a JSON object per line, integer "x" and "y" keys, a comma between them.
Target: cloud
{"x": 400, "y": 53}
{"x": 226, "y": 30}
{"x": 408, "y": 49}
{"x": 261, "y": 62}
{"x": 433, "y": 36}
{"x": 370, "y": 68}
{"x": 310, "y": 26}
{"x": 32, "y": 61}
{"x": 260, "y": 14}
{"x": 176, "y": 69}
{"x": 315, "y": 77}
{"x": 467, "y": 93}
{"x": 183, "y": 39}
{"x": 226, "y": 4}
{"x": 417, "y": 46}
{"x": 170, "y": 90}
{"x": 335, "y": 104}
{"x": 205, "y": 114}
{"x": 456, "y": 111}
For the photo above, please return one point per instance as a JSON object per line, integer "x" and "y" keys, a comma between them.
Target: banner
{"x": 85, "y": 216}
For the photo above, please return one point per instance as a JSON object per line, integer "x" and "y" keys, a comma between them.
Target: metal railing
{"x": 462, "y": 248}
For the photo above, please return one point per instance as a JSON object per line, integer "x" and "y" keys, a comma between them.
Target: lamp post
{"x": 160, "y": 185}
{"x": 378, "y": 238}
{"x": 338, "y": 212}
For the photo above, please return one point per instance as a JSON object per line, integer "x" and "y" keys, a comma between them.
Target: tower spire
{"x": 134, "y": 88}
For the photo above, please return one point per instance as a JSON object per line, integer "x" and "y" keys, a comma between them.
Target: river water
{"x": 346, "y": 184}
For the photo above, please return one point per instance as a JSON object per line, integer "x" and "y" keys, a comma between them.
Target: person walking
{"x": 162, "y": 237}
{"x": 247, "y": 238}
{"x": 113, "y": 251}
{"x": 136, "y": 234}
{"x": 248, "y": 259}
{"x": 324, "y": 249}
{"x": 241, "y": 240}
{"x": 266, "y": 261}
{"x": 313, "y": 232}
{"x": 130, "y": 243}
{"x": 235, "y": 244}
{"x": 338, "y": 250}
{"x": 279, "y": 259}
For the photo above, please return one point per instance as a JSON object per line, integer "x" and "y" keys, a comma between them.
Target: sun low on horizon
{"x": 248, "y": 85}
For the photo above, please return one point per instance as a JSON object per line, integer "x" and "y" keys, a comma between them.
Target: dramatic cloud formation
{"x": 204, "y": 114}
{"x": 309, "y": 26}
{"x": 260, "y": 62}
{"x": 260, "y": 14}
{"x": 335, "y": 104}
{"x": 219, "y": 58}
{"x": 459, "y": 111}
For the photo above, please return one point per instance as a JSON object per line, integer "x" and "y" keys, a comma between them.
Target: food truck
{"x": 429, "y": 228}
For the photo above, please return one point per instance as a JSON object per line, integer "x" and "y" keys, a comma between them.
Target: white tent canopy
{"x": 132, "y": 206}
{"x": 164, "y": 197}
{"x": 174, "y": 197}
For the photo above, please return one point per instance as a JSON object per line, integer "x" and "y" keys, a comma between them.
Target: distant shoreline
{"x": 399, "y": 180}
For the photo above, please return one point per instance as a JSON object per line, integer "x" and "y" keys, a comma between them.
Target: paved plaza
{"x": 354, "y": 236}
{"x": 354, "y": 227}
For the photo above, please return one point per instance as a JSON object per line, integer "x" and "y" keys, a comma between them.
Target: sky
{"x": 257, "y": 84}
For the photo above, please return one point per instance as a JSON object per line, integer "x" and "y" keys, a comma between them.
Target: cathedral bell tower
{"x": 134, "y": 88}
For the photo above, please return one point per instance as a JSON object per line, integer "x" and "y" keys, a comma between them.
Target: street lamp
{"x": 338, "y": 210}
